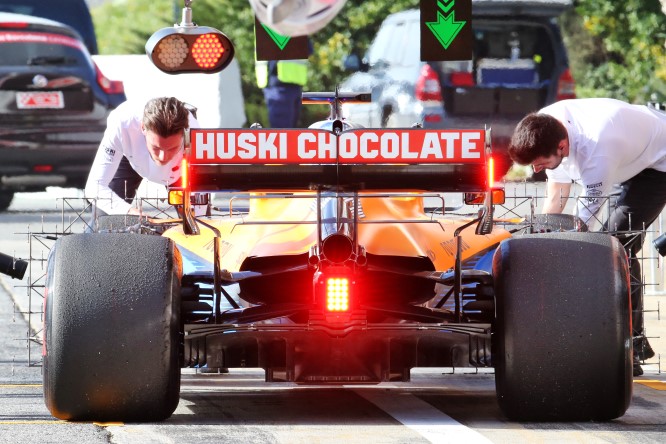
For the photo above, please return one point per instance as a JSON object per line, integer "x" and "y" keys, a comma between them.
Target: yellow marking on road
{"x": 19, "y": 385}
{"x": 108, "y": 424}
{"x": 652, "y": 383}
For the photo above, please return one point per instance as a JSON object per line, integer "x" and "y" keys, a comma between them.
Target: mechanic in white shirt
{"x": 599, "y": 143}
{"x": 141, "y": 141}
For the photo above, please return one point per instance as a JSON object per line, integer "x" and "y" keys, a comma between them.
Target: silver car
{"x": 519, "y": 65}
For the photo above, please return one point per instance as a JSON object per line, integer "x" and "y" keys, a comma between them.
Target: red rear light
{"x": 491, "y": 172}
{"x": 15, "y": 25}
{"x": 461, "y": 78}
{"x": 337, "y": 294}
{"x": 566, "y": 86}
{"x": 42, "y": 168}
{"x": 428, "y": 86}
{"x": 109, "y": 86}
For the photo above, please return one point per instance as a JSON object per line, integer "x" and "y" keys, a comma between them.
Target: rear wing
{"x": 351, "y": 160}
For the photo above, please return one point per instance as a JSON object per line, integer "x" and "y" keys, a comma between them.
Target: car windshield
{"x": 504, "y": 41}
{"x": 33, "y": 48}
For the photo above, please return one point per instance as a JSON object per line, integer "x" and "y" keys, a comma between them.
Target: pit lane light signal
{"x": 189, "y": 48}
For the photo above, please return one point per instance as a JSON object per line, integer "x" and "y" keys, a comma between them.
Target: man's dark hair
{"x": 165, "y": 116}
{"x": 537, "y": 135}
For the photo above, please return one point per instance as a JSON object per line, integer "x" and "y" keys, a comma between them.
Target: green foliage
{"x": 351, "y": 31}
{"x": 124, "y": 27}
{"x": 617, "y": 49}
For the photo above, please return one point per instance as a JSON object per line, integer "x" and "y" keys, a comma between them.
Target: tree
{"x": 617, "y": 49}
{"x": 123, "y": 28}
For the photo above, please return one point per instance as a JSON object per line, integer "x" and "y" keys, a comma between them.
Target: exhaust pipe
{"x": 13, "y": 267}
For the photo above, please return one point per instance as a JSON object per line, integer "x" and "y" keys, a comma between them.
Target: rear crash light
{"x": 337, "y": 294}
{"x": 109, "y": 86}
{"x": 566, "y": 86}
{"x": 428, "y": 86}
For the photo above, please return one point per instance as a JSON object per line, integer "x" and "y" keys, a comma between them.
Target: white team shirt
{"x": 610, "y": 142}
{"x": 123, "y": 137}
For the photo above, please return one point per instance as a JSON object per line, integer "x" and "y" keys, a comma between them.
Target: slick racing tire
{"x": 116, "y": 223}
{"x": 562, "y": 333}
{"x": 547, "y": 223}
{"x": 112, "y": 328}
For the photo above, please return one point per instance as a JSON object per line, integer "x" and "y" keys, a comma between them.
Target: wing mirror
{"x": 498, "y": 197}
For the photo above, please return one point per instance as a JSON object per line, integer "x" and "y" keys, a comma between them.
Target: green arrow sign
{"x": 446, "y": 28}
{"x": 273, "y": 46}
{"x": 279, "y": 39}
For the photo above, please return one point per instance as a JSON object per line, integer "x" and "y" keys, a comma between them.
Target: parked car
{"x": 519, "y": 65}
{"x": 74, "y": 13}
{"x": 54, "y": 102}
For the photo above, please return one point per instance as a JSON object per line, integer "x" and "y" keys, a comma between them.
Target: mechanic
{"x": 598, "y": 143}
{"x": 282, "y": 82}
{"x": 142, "y": 140}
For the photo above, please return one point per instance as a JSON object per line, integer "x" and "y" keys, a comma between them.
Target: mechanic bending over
{"x": 141, "y": 141}
{"x": 598, "y": 143}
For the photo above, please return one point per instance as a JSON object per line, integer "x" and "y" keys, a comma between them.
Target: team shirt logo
{"x": 213, "y": 146}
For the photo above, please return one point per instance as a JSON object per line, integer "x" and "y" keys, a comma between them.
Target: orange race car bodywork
{"x": 426, "y": 235}
{"x": 337, "y": 251}
{"x": 335, "y": 259}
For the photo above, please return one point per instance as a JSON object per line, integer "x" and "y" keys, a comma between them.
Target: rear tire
{"x": 112, "y": 325}
{"x": 116, "y": 222}
{"x": 562, "y": 338}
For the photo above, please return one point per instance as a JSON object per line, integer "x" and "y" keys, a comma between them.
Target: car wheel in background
{"x": 111, "y": 328}
{"x": 562, "y": 339}
{"x": 6, "y": 199}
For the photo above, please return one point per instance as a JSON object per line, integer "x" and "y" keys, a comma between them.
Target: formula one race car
{"x": 336, "y": 272}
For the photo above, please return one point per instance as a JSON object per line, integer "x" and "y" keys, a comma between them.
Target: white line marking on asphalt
{"x": 422, "y": 417}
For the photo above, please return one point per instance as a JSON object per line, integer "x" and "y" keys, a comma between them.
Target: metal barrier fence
{"x": 524, "y": 199}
